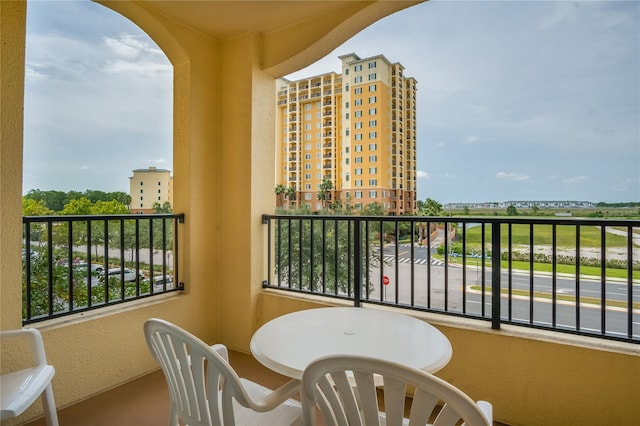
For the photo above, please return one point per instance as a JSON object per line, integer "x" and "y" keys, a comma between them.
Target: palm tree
{"x": 325, "y": 187}
{"x": 290, "y": 194}
{"x": 280, "y": 191}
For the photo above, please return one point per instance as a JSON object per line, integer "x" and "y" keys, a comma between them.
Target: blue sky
{"x": 517, "y": 100}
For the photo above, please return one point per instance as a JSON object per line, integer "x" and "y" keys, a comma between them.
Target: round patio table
{"x": 287, "y": 344}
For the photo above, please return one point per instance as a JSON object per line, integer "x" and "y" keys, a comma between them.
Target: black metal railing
{"x": 577, "y": 276}
{"x": 73, "y": 264}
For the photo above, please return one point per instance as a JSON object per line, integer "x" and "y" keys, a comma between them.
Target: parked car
{"x": 129, "y": 274}
{"x": 96, "y": 268}
{"x": 159, "y": 281}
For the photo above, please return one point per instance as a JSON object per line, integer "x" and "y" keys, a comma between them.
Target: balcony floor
{"x": 145, "y": 401}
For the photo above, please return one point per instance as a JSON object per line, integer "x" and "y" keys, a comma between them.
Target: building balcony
{"x": 224, "y": 173}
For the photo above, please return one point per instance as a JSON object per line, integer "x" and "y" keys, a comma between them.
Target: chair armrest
{"x": 272, "y": 398}
{"x": 35, "y": 340}
{"x": 487, "y": 410}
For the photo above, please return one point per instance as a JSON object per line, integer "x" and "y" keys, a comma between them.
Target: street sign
{"x": 385, "y": 280}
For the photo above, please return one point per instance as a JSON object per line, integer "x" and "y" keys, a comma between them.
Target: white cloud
{"x": 512, "y": 176}
{"x": 575, "y": 180}
{"x": 421, "y": 174}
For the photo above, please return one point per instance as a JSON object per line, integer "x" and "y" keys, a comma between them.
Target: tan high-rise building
{"x": 356, "y": 129}
{"x": 150, "y": 186}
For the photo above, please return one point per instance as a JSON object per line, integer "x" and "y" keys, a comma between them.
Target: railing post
{"x": 495, "y": 275}
{"x": 357, "y": 261}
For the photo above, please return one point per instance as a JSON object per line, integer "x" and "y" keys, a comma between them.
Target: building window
{"x": 358, "y": 125}
{"x": 372, "y": 64}
{"x": 346, "y": 177}
{"x": 372, "y": 76}
{"x": 358, "y": 194}
{"x": 357, "y": 102}
{"x": 159, "y": 199}
{"x": 373, "y": 123}
{"x": 346, "y": 132}
{"x": 358, "y": 182}
{"x": 358, "y": 136}
{"x": 373, "y": 194}
{"x": 372, "y": 87}
{"x": 373, "y": 182}
{"x": 346, "y": 105}
{"x": 307, "y": 186}
{"x": 307, "y": 117}
{"x": 307, "y": 196}
{"x": 372, "y": 99}
{"x": 373, "y": 170}
{"x": 159, "y": 191}
{"x": 372, "y": 111}
{"x": 358, "y": 160}
{"x": 307, "y": 136}
{"x": 307, "y": 146}
{"x": 357, "y": 79}
{"x": 357, "y": 67}
{"x": 358, "y": 148}
{"x": 307, "y": 156}
{"x": 357, "y": 90}
{"x": 373, "y": 135}
{"x": 307, "y": 126}
{"x": 307, "y": 166}
{"x": 346, "y": 149}
{"x": 141, "y": 183}
{"x": 307, "y": 107}
{"x": 373, "y": 158}
{"x": 142, "y": 191}
{"x": 346, "y": 161}
{"x": 307, "y": 176}
{"x": 358, "y": 113}
{"x": 373, "y": 146}
{"x": 358, "y": 171}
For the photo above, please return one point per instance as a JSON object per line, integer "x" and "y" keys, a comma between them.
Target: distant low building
{"x": 523, "y": 204}
{"x": 150, "y": 186}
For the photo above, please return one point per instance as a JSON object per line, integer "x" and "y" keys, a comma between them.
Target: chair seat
{"x": 289, "y": 412}
{"x": 19, "y": 389}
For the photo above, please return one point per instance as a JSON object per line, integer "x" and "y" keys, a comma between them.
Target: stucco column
{"x": 12, "y": 48}
{"x": 246, "y": 192}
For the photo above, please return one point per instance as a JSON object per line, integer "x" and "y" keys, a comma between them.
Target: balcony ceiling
{"x": 224, "y": 19}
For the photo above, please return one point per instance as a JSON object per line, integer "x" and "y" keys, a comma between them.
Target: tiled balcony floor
{"x": 145, "y": 401}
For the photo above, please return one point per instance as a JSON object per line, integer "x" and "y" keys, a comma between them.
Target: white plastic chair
{"x": 204, "y": 388}
{"x": 343, "y": 390}
{"x": 19, "y": 389}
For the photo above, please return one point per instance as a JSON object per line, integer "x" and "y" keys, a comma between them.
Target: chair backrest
{"x": 344, "y": 389}
{"x": 202, "y": 384}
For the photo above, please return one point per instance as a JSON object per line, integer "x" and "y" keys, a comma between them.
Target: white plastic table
{"x": 288, "y": 344}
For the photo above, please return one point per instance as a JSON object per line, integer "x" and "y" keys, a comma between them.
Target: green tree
{"x": 512, "y": 211}
{"x": 280, "y": 192}
{"x": 325, "y": 191}
{"x": 161, "y": 208}
{"x": 31, "y": 207}
{"x": 431, "y": 208}
{"x": 290, "y": 193}
{"x": 322, "y": 260}
{"x": 78, "y": 206}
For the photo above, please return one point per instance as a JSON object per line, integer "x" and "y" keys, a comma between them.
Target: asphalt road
{"x": 429, "y": 291}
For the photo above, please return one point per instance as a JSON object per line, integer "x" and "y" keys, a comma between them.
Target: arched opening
{"x": 98, "y": 102}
